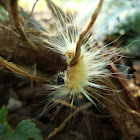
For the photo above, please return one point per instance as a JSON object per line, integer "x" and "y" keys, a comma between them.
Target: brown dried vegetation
{"x": 30, "y": 59}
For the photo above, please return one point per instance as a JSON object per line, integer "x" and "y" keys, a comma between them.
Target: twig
{"x": 32, "y": 10}
{"x": 15, "y": 15}
{"x": 123, "y": 84}
{"x": 71, "y": 106}
{"x": 62, "y": 125}
{"x": 84, "y": 32}
{"x": 4, "y": 27}
{"x": 20, "y": 70}
{"x": 29, "y": 16}
{"x": 9, "y": 57}
{"x": 65, "y": 103}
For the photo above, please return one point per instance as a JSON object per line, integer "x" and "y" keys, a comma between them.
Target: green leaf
{"x": 3, "y": 115}
{"x": 3, "y": 131}
{"x": 3, "y": 123}
{"x": 25, "y": 129}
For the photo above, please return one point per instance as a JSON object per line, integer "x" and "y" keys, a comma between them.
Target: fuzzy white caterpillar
{"x": 87, "y": 63}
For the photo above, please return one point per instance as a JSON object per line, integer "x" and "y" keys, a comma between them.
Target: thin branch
{"x": 31, "y": 13}
{"x": 9, "y": 57}
{"x": 21, "y": 71}
{"x": 124, "y": 84}
{"x": 65, "y": 103}
{"x": 4, "y": 27}
{"x": 84, "y": 32}
{"x": 62, "y": 125}
{"x": 71, "y": 106}
{"x": 15, "y": 16}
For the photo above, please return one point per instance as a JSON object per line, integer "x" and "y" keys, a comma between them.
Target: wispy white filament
{"x": 81, "y": 80}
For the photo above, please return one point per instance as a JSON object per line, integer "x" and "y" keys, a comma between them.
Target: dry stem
{"x": 84, "y": 32}
{"x": 9, "y": 57}
{"x": 65, "y": 103}
{"x": 19, "y": 70}
{"x": 15, "y": 16}
{"x": 62, "y": 125}
{"x": 32, "y": 9}
{"x": 124, "y": 84}
{"x": 4, "y": 27}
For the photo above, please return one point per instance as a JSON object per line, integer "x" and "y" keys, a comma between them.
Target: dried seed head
{"x": 87, "y": 63}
